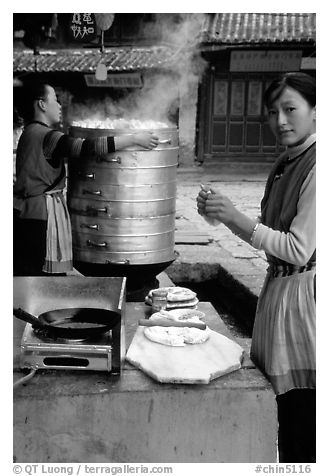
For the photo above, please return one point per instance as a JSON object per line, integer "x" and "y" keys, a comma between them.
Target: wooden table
{"x": 81, "y": 416}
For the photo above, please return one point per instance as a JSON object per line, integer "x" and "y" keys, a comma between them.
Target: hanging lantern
{"x": 104, "y": 20}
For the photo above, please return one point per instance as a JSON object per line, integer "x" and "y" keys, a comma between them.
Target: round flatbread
{"x": 172, "y": 336}
{"x": 192, "y": 335}
{"x": 187, "y": 315}
{"x": 175, "y": 305}
{"x": 176, "y": 336}
{"x": 184, "y": 304}
{"x": 176, "y": 293}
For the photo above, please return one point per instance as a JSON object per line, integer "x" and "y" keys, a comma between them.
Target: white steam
{"x": 157, "y": 100}
{"x": 163, "y": 91}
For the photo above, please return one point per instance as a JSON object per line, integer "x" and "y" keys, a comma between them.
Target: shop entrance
{"x": 235, "y": 118}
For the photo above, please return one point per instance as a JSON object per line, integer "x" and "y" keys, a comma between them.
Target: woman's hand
{"x": 201, "y": 203}
{"x": 216, "y": 208}
{"x": 217, "y": 205}
{"x": 202, "y": 199}
{"x": 148, "y": 140}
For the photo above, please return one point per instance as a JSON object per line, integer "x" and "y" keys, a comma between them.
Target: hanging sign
{"x": 266, "y": 60}
{"x": 124, "y": 80}
{"x": 83, "y": 27}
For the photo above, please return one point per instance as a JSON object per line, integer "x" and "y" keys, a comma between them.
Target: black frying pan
{"x": 72, "y": 323}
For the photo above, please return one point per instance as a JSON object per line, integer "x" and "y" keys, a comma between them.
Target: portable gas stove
{"x": 106, "y": 352}
{"x": 41, "y": 352}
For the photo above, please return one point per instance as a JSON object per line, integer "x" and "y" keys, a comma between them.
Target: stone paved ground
{"x": 235, "y": 258}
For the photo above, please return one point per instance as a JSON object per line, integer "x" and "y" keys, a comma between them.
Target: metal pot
{"x": 123, "y": 204}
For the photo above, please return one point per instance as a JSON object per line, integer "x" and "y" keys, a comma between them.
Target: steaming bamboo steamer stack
{"x": 123, "y": 204}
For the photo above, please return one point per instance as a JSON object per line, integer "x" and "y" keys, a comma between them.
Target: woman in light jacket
{"x": 283, "y": 340}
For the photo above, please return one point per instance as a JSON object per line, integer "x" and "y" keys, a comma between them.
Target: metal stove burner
{"x": 39, "y": 351}
{"x": 104, "y": 352}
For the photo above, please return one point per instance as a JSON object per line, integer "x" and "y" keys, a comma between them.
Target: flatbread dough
{"x": 189, "y": 315}
{"x": 172, "y": 336}
{"x": 176, "y": 293}
{"x": 175, "y": 305}
{"x": 185, "y": 315}
{"x": 192, "y": 335}
{"x": 176, "y": 336}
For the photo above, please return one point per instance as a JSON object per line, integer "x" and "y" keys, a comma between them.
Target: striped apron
{"x": 59, "y": 256}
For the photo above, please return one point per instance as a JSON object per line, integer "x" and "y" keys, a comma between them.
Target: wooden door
{"x": 235, "y": 117}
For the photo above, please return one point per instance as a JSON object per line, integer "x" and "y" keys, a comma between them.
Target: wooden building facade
{"x": 244, "y": 53}
{"x": 220, "y": 111}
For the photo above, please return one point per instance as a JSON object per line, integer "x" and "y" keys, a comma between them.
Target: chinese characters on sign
{"x": 124, "y": 80}
{"x": 83, "y": 26}
{"x": 265, "y": 60}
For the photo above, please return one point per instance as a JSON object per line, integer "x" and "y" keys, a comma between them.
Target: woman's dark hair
{"x": 301, "y": 82}
{"x": 30, "y": 93}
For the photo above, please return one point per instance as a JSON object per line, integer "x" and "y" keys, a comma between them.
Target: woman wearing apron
{"x": 283, "y": 340}
{"x": 42, "y": 229}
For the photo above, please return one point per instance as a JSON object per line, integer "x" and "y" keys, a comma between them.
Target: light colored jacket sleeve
{"x": 298, "y": 245}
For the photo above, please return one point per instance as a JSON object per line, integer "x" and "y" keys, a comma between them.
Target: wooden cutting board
{"x": 194, "y": 363}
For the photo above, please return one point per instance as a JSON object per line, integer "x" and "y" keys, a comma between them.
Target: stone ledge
{"x": 196, "y": 263}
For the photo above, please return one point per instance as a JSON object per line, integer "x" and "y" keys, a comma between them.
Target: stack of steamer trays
{"x": 177, "y": 297}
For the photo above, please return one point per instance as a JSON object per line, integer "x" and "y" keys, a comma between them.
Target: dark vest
{"x": 34, "y": 175}
{"x": 288, "y": 189}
